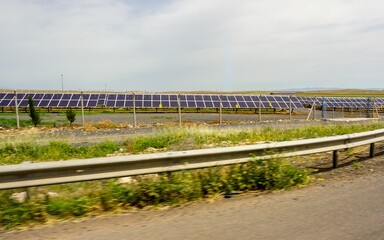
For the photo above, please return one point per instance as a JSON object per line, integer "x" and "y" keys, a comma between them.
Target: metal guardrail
{"x": 46, "y": 173}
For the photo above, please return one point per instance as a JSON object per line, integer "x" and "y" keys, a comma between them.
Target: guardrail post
{"x": 335, "y": 159}
{"x": 372, "y": 150}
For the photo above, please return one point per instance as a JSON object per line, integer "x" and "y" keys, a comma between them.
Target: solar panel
{"x": 54, "y": 103}
{"x": 6, "y": 102}
{"x": 48, "y": 96}
{"x": 111, "y": 100}
{"x": 23, "y": 103}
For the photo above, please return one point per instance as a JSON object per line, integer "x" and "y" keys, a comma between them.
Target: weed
{"x": 356, "y": 164}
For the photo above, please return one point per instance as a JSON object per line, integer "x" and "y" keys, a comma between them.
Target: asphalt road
{"x": 344, "y": 209}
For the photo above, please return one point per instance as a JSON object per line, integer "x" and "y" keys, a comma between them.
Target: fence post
{"x": 179, "y": 108}
{"x": 290, "y": 108}
{"x": 220, "y": 111}
{"x": 259, "y": 108}
{"x": 134, "y": 110}
{"x": 17, "y": 110}
{"x": 82, "y": 109}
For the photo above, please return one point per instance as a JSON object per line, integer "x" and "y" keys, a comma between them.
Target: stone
{"x": 52, "y": 194}
{"x": 125, "y": 180}
{"x": 20, "y": 197}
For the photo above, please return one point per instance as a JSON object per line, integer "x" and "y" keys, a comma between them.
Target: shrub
{"x": 71, "y": 115}
{"x": 32, "y": 112}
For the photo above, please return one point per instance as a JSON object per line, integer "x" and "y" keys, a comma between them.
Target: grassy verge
{"x": 175, "y": 188}
{"x": 170, "y": 139}
{"x": 11, "y": 123}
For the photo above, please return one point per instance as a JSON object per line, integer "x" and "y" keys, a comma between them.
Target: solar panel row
{"x": 186, "y": 101}
{"x": 150, "y": 100}
{"x": 343, "y": 102}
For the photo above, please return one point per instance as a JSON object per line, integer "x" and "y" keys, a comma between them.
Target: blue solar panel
{"x": 215, "y": 98}
{"x": 173, "y": 97}
{"x": 209, "y": 104}
{"x": 120, "y": 103}
{"x": 54, "y": 103}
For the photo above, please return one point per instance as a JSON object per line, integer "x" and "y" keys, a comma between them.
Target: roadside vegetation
{"x": 63, "y": 201}
{"x": 156, "y": 191}
{"x": 169, "y": 139}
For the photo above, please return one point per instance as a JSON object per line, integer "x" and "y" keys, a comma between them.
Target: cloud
{"x": 190, "y": 45}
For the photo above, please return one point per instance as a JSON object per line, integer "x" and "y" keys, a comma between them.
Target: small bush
{"x": 74, "y": 207}
{"x": 71, "y": 115}
{"x": 14, "y": 214}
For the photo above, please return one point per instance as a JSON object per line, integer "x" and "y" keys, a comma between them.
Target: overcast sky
{"x": 182, "y": 45}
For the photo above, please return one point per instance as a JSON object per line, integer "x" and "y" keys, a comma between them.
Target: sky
{"x": 191, "y": 45}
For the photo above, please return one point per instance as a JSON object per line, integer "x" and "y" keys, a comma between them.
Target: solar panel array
{"x": 63, "y": 100}
{"x": 342, "y": 102}
{"x": 117, "y": 100}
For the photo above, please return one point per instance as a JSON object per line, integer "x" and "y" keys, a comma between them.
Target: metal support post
{"x": 372, "y": 150}
{"x": 134, "y": 110}
{"x": 17, "y": 110}
{"x": 179, "y": 108}
{"x": 335, "y": 159}
{"x": 259, "y": 108}
{"x": 290, "y": 108}
{"x": 220, "y": 111}
{"x": 82, "y": 109}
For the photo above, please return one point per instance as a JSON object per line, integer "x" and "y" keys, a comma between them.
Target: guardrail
{"x": 46, "y": 173}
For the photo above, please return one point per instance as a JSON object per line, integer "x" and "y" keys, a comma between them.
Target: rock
{"x": 125, "y": 180}
{"x": 19, "y": 197}
{"x": 51, "y": 194}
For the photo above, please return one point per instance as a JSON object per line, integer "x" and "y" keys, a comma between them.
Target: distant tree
{"x": 71, "y": 115}
{"x": 32, "y": 112}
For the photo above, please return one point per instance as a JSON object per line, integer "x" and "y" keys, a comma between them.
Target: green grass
{"x": 12, "y": 123}
{"x": 17, "y": 153}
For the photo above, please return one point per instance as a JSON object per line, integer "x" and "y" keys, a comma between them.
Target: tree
{"x": 32, "y": 112}
{"x": 71, "y": 115}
